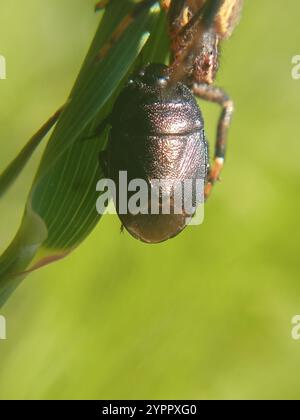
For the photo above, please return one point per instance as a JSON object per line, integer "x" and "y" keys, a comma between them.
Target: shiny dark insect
{"x": 157, "y": 128}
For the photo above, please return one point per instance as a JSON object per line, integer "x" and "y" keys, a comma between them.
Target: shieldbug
{"x": 157, "y": 128}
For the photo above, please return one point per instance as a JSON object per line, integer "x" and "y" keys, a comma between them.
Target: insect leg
{"x": 187, "y": 39}
{"x": 101, "y": 5}
{"x": 177, "y": 16}
{"x": 218, "y": 96}
{"x": 123, "y": 25}
{"x": 165, "y": 4}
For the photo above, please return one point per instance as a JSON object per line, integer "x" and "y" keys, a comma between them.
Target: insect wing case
{"x": 158, "y": 135}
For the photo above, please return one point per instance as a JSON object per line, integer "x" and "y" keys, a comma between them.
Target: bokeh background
{"x": 206, "y": 315}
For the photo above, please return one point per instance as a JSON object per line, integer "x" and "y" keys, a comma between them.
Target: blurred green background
{"x": 205, "y": 315}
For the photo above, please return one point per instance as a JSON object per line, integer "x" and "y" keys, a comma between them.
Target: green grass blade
{"x": 14, "y": 169}
{"x": 60, "y": 211}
